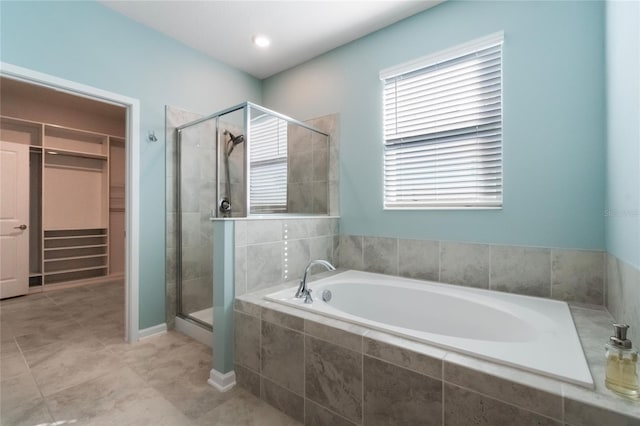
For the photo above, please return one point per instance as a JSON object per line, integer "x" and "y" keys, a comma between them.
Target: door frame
{"x": 132, "y": 176}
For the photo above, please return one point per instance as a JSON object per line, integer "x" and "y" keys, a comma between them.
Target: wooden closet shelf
{"x": 66, "y": 271}
{"x": 73, "y": 247}
{"x": 89, "y": 256}
{"x": 70, "y": 237}
{"x": 51, "y": 150}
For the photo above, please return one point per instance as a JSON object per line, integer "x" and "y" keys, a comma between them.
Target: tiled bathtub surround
{"x": 269, "y": 251}
{"x": 623, "y": 295}
{"x": 323, "y": 371}
{"x": 570, "y": 275}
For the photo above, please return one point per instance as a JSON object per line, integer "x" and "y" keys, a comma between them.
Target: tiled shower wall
{"x": 297, "y": 241}
{"x": 328, "y": 158}
{"x": 309, "y": 167}
{"x": 570, "y": 275}
{"x": 623, "y": 295}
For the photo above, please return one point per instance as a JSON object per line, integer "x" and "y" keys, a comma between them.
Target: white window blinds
{"x": 268, "y": 187}
{"x": 443, "y": 129}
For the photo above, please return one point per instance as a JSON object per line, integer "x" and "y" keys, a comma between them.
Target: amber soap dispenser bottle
{"x": 622, "y": 364}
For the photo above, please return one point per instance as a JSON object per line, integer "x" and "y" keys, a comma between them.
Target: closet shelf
{"x": 90, "y": 256}
{"x": 66, "y": 271}
{"x": 21, "y": 131}
{"x": 50, "y": 150}
{"x": 70, "y": 237}
{"x": 74, "y": 247}
{"x": 71, "y": 254}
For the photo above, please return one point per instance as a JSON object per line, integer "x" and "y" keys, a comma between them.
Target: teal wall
{"x": 554, "y": 118}
{"x": 554, "y": 121}
{"x": 90, "y": 44}
{"x": 623, "y": 130}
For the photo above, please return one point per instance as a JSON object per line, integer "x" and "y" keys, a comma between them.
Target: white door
{"x": 14, "y": 218}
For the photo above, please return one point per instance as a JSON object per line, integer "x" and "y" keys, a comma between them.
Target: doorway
{"x": 128, "y": 197}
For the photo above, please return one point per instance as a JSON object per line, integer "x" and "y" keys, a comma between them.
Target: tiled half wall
{"x": 321, "y": 371}
{"x": 563, "y": 274}
{"x": 270, "y": 251}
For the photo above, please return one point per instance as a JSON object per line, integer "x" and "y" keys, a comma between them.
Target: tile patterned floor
{"x": 63, "y": 361}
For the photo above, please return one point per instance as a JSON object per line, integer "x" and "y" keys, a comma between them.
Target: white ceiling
{"x": 299, "y": 30}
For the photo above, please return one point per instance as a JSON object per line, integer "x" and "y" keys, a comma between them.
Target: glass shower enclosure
{"x": 244, "y": 161}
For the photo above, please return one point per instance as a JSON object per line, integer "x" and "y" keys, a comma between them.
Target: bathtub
{"x": 529, "y": 333}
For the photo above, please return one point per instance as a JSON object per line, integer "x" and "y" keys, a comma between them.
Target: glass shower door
{"x": 196, "y": 204}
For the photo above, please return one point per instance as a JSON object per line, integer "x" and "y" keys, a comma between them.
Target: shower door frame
{"x": 178, "y": 200}
{"x": 247, "y": 107}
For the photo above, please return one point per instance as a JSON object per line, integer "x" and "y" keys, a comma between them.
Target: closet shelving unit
{"x": 69, "y": 200}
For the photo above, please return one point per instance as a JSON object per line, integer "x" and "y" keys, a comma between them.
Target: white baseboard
{"x": 222, "y": 382}
{"x": 152, "y": 331}
{"x": 194, "y": 331}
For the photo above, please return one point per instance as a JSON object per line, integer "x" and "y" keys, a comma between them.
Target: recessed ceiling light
{"x": 261, "y": 41}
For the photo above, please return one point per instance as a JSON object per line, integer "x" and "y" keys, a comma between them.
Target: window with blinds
{"x": 443, "y": 129}
{"x": 268, "y": 187}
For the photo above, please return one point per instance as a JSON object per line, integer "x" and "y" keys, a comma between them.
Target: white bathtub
{"x": 529, "y": 333}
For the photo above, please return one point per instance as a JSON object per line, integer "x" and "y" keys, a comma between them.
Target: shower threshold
{"x": 192, "y": 326}
{"x": 205, "y": 315}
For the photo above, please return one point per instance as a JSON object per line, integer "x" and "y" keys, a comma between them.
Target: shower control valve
{"x": 225, "y": 205}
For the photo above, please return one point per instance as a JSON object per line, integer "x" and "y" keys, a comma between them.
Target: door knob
{"x": 22, "y": 227}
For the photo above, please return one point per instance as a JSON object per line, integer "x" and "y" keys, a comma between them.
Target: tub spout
{"x": 303, "y": 290}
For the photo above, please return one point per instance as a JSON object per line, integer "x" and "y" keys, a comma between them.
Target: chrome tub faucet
{"x": 303, "y": 290}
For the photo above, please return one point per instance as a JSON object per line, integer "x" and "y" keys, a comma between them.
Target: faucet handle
{"x": 307, "y": 297}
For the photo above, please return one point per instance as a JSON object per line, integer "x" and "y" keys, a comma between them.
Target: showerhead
{"x": 233, "y": 141}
